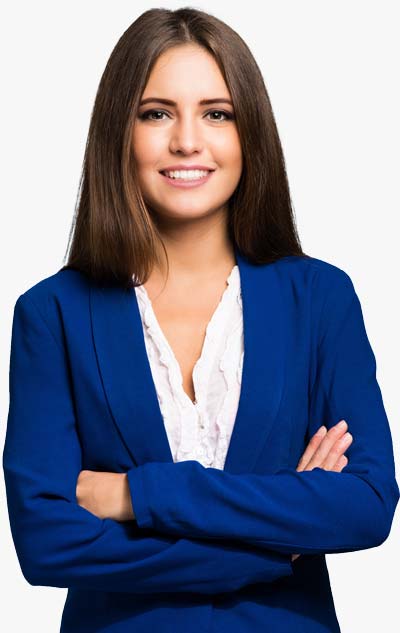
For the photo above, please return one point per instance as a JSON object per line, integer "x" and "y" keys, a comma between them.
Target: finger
{"x": 340, "y": 464}
{"x": 337, "y": 451}
{"x": 310, "y": 451}
{"x": 312, "y": 447}
{"x": 322, "y": 452}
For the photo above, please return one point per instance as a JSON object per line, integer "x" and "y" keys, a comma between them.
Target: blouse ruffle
{"x": 201, "y": 430}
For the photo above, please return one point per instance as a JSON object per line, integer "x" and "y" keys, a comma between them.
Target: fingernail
{"x": 342, "y": 424}
{"x": 321, "y": 431}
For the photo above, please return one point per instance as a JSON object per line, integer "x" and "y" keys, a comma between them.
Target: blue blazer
{"x": 210, "y": 550}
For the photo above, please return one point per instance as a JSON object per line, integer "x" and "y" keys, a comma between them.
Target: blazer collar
{"x": 129, "y": 386}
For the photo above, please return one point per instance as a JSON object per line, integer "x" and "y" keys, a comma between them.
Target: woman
{"x": 162, "y": 459}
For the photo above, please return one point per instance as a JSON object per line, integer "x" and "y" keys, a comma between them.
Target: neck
{"x": 199, "y": 251}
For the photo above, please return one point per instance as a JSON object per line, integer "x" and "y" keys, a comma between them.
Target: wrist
{"x": 127, "y": 513}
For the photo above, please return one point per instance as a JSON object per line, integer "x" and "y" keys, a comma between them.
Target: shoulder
{"x": 299, "y": 263}
{"x": 322, "y": 291}
{"x": 52, "y": 295}
{"x": 317, "y": 275}
{"x": 65, "y": 281}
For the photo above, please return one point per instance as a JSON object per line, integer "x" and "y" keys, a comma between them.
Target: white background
{"x": 331, "y": 70}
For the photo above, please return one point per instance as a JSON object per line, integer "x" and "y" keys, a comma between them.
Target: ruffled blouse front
{"x": 199, "y": 430}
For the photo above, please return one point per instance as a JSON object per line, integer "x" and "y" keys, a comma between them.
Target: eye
{"x": 228, "y": 115}
{"x": 148, "y": 115}
{"x": 145, "y": 115}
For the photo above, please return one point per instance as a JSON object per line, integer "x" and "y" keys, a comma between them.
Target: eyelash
{"x": 228, "y": 115}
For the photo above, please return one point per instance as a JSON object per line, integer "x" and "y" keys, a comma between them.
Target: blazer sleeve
{"x": 61, "y": 544}
{"x": 314, "y": 512}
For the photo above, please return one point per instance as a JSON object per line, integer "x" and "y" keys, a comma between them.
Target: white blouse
{"x": 201, "y": 430}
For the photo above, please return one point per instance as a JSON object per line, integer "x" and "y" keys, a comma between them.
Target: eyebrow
{"x": 173, "y": 103}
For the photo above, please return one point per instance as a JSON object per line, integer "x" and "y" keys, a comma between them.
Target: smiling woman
{"x": 161, "y": 457}
{"x": 181, "y": 91}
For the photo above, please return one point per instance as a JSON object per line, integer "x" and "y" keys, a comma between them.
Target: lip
{"x": 181, "y": 166}
{"x": 187, "y": 184}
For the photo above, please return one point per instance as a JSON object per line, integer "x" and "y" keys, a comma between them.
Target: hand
{"x": 105, "y": 495}
{"x": 326, "y": 450}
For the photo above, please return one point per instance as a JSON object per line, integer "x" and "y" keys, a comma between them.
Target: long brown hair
{"x": 114, "y": 236}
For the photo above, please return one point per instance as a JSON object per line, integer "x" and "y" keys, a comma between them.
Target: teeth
{"x": 191, "y": 174}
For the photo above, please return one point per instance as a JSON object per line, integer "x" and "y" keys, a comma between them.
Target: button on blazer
{"x": 209, "y": 549}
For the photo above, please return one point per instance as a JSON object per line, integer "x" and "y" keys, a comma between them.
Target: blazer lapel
{"x": 129, "y": 386}
{"x": 126, "y": 373}
{"x": 264, "y": 363}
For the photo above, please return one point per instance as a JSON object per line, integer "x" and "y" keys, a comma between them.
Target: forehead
{"x": 186, "y": 73}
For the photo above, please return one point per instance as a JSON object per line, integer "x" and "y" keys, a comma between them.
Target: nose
{"x": 186, "y": 135}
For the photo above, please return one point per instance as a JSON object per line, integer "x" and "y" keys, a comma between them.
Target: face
{"x": 188, "y": 133}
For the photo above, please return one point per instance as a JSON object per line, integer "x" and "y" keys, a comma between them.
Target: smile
{"x": 185, "y": 179}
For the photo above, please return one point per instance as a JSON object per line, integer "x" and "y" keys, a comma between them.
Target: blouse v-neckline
{"x": 214, "y": 331}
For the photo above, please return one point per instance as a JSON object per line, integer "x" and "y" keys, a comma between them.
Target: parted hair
{"x": 113, "y": 238}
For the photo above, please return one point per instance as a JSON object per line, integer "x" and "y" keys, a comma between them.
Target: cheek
{"x": 238, "y": 162}
{"x": 236, "y": 148}
{"x": 228, "y": 151}
{"x": 146, "y": 148}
